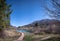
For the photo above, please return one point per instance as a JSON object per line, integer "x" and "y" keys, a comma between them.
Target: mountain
{"x": 43, "y": 22}
{"x": 45, "y": 25}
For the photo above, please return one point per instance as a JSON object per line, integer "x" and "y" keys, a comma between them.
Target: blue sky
{"x": 26, "y": 11}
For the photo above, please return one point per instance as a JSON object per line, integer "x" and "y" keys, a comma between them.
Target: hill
{"x": 45, "y": 25}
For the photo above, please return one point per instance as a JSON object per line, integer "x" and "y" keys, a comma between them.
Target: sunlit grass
{"x": 55, "y": 37}
{"x": 9, "y": 38}
{"x": 28, "y": 38}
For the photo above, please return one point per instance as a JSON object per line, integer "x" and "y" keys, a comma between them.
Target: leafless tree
{"x": 54, "y": 13}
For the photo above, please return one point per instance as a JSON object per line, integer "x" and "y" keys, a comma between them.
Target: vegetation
{"x": 43, "y": 26}
{"x": 40, "y": 27}
{"x": 28, "y": 38}
{"x": 55, "y": 10}
{"x": 52, "y": 39}
{"x": 11, "y": 35}
{"x": 9, "y": 38}
{"x": 4, "y": 16}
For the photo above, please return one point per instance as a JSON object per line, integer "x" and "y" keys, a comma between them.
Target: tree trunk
{"x": 2, "y": 35}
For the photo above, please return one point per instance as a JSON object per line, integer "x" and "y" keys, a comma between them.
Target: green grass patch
{"x": 28, "y": 38}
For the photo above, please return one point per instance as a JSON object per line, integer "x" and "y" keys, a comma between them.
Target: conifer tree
{"x": 4, "y": 15}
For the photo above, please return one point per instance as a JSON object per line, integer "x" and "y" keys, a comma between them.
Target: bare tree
{"x": 55, "y": 13}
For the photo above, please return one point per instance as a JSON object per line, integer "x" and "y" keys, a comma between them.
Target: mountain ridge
{"x": 46, "y": 25}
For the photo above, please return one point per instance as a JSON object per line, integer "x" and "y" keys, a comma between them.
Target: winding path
{"x": 21, "y": 37}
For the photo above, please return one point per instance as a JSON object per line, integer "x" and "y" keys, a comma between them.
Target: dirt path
{"x": 46, "y": 38}
{"x": 21, "y": 37}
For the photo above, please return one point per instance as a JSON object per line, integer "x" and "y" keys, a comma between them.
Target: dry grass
{"x": 54, "y": 37}
{"x": 10, "y": 35}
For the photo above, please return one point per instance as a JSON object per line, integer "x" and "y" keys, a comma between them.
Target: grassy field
{"x": 52, "y": 39}
{"x": 55, "y": 37}
{"x": 9, "y": 38}
{"x": 33, "y": 37}
{"x": 28, "y": 38}
{"x": 10, "y": 35}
